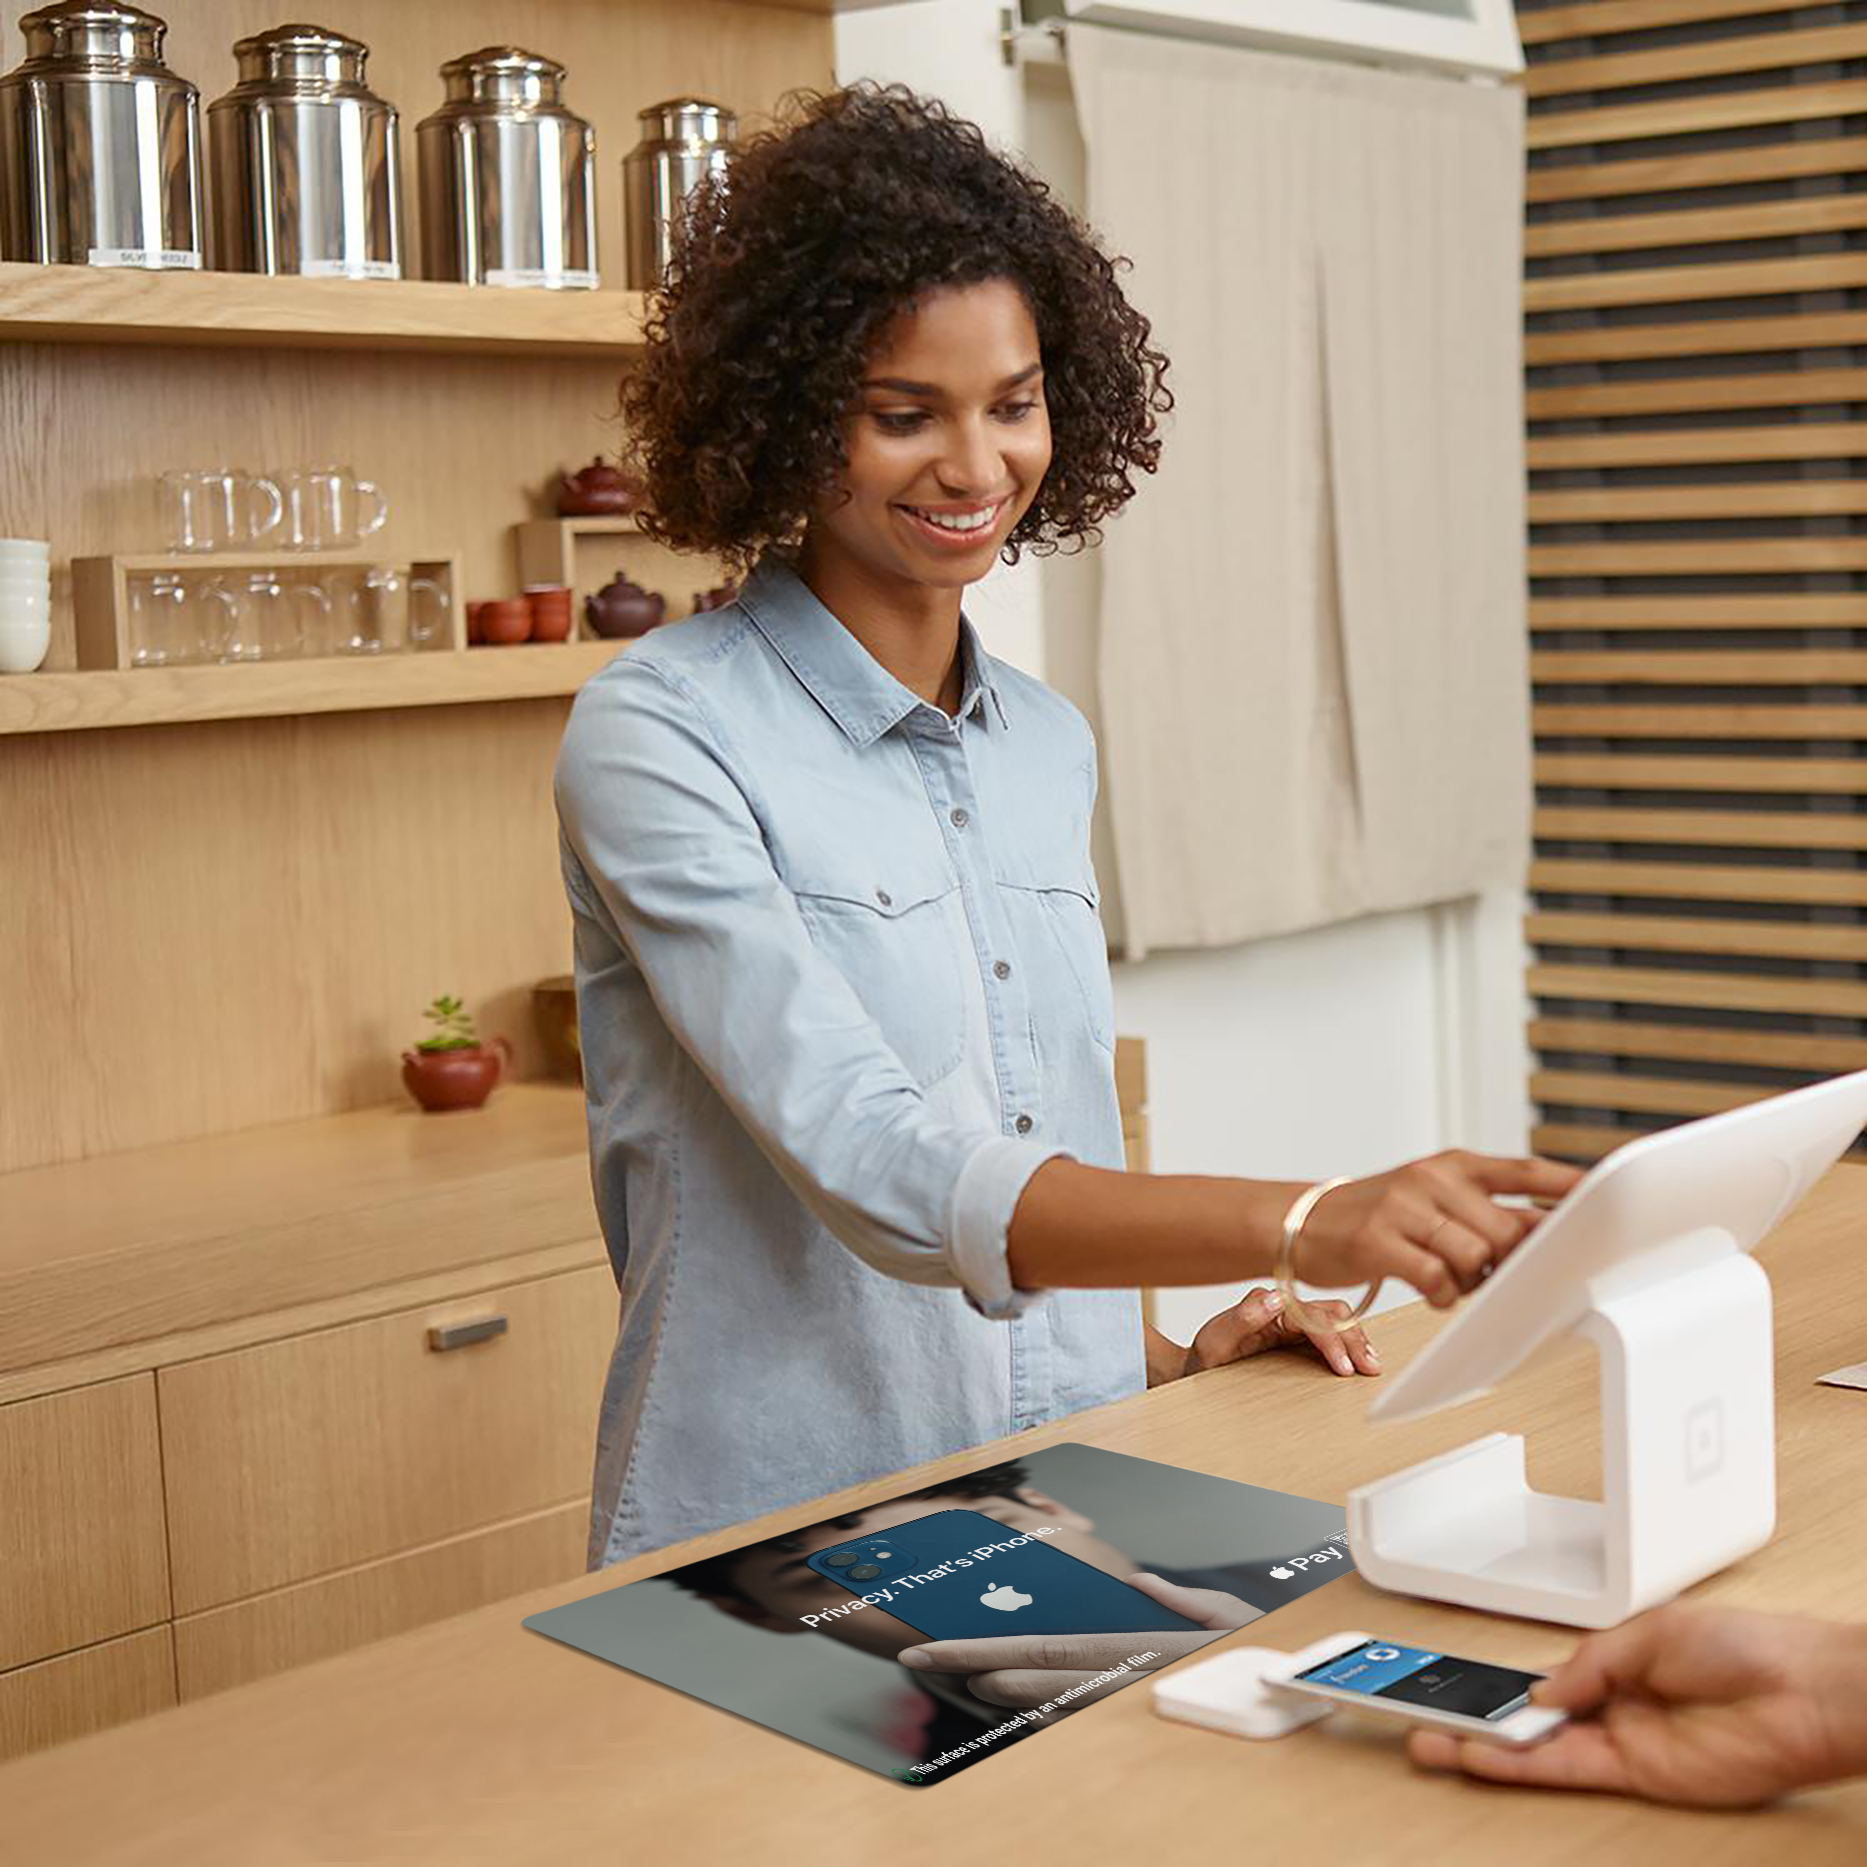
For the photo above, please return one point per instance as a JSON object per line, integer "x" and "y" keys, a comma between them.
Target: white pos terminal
{"x": 1647, "y": 1259}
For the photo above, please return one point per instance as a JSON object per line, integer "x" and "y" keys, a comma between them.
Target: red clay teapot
{"x": 601, "y": 490}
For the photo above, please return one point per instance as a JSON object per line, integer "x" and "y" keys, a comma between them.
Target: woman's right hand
{"x": 1434, "y": 1223}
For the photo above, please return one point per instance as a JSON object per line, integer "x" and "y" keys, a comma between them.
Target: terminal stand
{"x": 1688, "y": 1465}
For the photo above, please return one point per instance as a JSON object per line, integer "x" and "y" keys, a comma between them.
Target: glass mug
{"x": 386, "y": 610}
{"x": 330, "y": 509}
{"x": 276, "y": 619}
{"x": 218, "y": 508}
{"x": 176, "y": 620}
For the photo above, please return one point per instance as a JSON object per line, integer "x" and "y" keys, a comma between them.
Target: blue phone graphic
{"x": 1029, "y": 1589}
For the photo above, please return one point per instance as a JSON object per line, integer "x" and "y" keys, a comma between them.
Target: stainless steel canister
{"x": 100, "y": 143}
{"x": 508, "y": 176}
{"x": 682, "y": 140}
{"x": 305, "y": 161}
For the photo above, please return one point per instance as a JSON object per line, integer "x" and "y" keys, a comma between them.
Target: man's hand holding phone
{"x": 1709, "y": 1707}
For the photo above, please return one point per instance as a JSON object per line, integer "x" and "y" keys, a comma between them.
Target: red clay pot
{"x": 454, "y": 1079}
{"x": 551, "y": 613}
{"x": 506, "y": 622}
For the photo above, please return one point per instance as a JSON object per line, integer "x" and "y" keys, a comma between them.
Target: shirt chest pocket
{"x": 896, "y": 929}
{"x": 1057, "y": 909}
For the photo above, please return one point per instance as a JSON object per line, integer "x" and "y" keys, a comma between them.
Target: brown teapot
{"x": 623, "y": 608}
{"x": 716, "y": 598}
{"x": 600, "y": 490}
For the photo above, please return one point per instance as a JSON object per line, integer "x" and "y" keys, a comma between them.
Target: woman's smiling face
{"x": 949, "y": 444}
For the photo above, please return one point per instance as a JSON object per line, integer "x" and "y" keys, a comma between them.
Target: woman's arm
{"x": 1432, "y": 1222}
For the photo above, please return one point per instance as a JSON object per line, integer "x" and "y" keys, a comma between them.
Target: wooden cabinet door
{"x": 81, "y": 1546}
{"x": 299, "y": 1457}
{"x": 78, "y": 1693}
{"x": 294, "y": 1626}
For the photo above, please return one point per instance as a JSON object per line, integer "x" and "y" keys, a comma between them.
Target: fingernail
{"x": 1273, "y": 1302}
{"x": 1341, "y": 1363}
{"x": 1373, "y": 1354}
{"x": 914, "y": 1656}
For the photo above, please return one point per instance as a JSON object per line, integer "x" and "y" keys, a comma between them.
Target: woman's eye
{"x": 903, "y": 422}
{"x": 1016, "y": 411}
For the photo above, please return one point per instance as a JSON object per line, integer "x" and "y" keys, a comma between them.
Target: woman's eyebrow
{"x": 902, "y": 386}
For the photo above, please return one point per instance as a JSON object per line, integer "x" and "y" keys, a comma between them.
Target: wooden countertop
{"x": 475, "y": 1741}
{"x": 128, "y": 1247}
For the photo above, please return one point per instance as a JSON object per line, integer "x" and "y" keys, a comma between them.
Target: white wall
{"x": 1344, "y": 1050}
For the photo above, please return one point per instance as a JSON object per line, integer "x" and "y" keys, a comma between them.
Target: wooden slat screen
{"x": 1695, "y": 314}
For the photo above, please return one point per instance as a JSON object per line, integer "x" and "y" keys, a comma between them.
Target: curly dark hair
{"x": 718, "y": 1575}
{"x": 828, "y": 227}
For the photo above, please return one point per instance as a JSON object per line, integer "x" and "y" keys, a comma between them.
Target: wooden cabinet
{"x": 81, "y": 1545}
{"x": 335, "y": 1479}
{"x": 299, "y": 1457}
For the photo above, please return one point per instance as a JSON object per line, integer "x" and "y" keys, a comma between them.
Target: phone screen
{"x": 1438, "y": 1681}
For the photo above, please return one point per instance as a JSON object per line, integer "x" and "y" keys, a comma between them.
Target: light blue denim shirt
{"x": 841, "y": 989}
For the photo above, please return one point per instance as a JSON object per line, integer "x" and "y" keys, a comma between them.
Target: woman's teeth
{"x": 957, "y": 521}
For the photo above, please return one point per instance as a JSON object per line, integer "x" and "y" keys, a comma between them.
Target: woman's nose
{"x": 972, "y": 462}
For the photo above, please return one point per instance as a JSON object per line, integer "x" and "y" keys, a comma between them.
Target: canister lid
{"x": 312, "y": 56}
{"x": 689, "y": 120}
{"x": 502, "y": 73}
{"x": 85, "y": 33}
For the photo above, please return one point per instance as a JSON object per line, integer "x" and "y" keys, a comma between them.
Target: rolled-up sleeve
{"x": 663, "y": 831}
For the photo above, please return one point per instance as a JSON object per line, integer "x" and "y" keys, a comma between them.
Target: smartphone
{"x": 960, "y": 1575}
{"x": 1469, "y": 1697}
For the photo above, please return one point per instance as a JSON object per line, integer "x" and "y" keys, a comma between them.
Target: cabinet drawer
{"x": 299, "y": 1457}
{"x": 228, "y": 1646}
{"x": 81, "y": 1549}
{"x": 78, "y": 1693}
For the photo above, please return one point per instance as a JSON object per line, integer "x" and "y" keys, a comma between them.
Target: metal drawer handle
{"x": 446, "y": 1335}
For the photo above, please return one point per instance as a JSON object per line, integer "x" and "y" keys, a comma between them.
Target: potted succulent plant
{"x": 452, "y": 1069}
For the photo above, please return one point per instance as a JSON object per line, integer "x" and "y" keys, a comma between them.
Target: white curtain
{"x": 1313, "y": 673}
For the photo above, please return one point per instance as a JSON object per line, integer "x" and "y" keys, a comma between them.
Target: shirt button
{"x": 959, "y": 817}
{"x": 1024, "y": 1124}
{"x": 884, "y": 897}
{"x": 1001, "y": 969}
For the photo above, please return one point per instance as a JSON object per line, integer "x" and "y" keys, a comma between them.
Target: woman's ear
{"x": 754, "y": 1616}
{"x": 1059, "y": 1514}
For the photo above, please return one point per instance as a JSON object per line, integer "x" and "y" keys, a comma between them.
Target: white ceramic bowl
{"x": 24, "y": 646}
{"x": 20, "y": 547}
{"x": 17, "y": 573}
{"x": 20, "y": 612}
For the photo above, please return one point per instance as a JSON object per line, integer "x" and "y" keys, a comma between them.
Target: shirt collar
{"x": 857, "y": 692}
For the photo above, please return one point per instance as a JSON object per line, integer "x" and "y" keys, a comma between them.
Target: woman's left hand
{"x": 1258, "y": 1321}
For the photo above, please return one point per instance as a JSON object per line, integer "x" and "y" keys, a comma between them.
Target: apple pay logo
{"x": 1292, "y": 1566}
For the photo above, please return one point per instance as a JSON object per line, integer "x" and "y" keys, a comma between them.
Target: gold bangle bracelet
{"x": 1294, "y": 1307}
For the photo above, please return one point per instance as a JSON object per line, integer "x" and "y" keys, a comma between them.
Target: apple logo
{"x": 1006, "y": 1597}
{"x": 1281, "y": 1574}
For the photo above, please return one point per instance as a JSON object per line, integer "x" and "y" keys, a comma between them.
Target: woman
{"x": 844, "y": 997}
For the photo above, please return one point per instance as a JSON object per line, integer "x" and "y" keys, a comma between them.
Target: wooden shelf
{"x": 87, "y": 701}
{"x": 126, "y": 1247}
{"x": 103, "y": 305}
